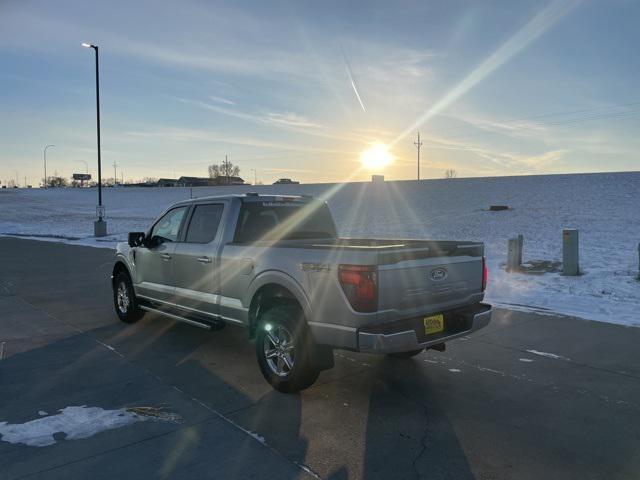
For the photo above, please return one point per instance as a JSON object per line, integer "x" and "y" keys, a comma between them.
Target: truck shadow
{"x": 368, "y": 417}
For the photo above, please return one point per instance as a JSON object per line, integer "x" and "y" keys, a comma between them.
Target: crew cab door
{"x": 196, "y": 260}
{"x": 154, "y": 262}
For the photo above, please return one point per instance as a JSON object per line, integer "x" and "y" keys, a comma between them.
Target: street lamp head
{"x": 89, "y": 45}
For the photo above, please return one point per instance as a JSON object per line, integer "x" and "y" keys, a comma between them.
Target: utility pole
{"x": 115, "y": 174}
{"x": 255, "y": 176}
{"x": 418, "y": 144}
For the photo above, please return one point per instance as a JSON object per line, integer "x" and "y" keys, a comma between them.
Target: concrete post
{"x": 514, "y": 254}
{"x": 570, "y": 256}
{"x": 639, "y": 261}
{"x": 99, "y": 228}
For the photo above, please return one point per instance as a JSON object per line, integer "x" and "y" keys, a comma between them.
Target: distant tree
{"x": 56, "y": 181}
{"x": 149, "y": 180}
{"x": 214, "y": 171}
{"x": 225, "y": 169}
{"x": 450, "y": 173}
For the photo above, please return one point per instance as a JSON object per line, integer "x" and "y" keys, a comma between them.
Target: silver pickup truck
{"x": 276, "y": 265}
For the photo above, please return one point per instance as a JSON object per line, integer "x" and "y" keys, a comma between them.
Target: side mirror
{"x": 136, "y": 239}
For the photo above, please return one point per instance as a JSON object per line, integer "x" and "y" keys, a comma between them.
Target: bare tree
{"x": 214, "y": 171}
{"x": 226, "y": 169}
{"x": 56, "y": 181}
{"x": 450, "y": 173}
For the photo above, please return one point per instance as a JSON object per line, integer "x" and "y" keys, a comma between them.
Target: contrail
{"x": 353, "y": 82}
{"x": 539, "y": 24}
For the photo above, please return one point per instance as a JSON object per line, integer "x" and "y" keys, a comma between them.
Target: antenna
{"x": 418, "y": 144}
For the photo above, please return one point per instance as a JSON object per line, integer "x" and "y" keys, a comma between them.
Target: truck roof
{"x": 251, "y": 197}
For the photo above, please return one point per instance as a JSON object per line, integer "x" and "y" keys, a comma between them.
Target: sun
{"x": 376, "y": 156}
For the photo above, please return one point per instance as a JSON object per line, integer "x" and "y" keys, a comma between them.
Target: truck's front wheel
{"x": 282, "y": 349}
{"x": 124, "y": 299}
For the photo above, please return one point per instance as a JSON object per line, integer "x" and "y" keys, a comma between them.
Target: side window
{"x": 204, "y": 223}
{"x": 168, "y": 227}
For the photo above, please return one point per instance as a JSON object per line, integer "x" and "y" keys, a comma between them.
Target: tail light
{"x": 360, "y": 286}
{"x": 485, "y": 274}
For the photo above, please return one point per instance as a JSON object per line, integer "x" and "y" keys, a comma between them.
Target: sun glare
{"x": 376, "y": 156}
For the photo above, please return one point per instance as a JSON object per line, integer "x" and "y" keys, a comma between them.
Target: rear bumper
{"x": 406, "y": 339}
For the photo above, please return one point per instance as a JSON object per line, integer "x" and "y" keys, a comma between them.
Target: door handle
{"x": 204, "y": 259}
{"x": 165, "y": 256}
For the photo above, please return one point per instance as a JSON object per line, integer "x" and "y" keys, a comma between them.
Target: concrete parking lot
{"x": 532, "y": 396}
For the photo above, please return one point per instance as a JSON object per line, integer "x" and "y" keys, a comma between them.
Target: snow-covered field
{"x": 604, "y": 207}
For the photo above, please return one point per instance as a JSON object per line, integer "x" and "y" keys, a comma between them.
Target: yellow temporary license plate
{"x": 433, "y": 324}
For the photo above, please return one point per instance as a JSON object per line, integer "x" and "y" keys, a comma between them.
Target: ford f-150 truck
{"x": 276, "y": 265}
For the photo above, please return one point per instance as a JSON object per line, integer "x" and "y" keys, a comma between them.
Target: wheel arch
{"x": 119, "y": 267}
{"x": 273, "y": 289}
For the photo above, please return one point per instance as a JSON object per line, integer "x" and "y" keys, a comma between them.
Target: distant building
{"x": 224, "y": 180}
{"x": 198, "y": 181}
{"x": 192, "y": 182}
{"x": 286, "y": 181}
{"x": 167, "y": 182}
{"x": 377, "y": 178}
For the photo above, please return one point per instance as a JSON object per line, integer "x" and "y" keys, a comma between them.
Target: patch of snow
{"x": 602, "y": 206}
{"x": 42, "y": 413}
{"x": 454, "y": 370}
{"x": 525, "y": 360}
{"x": 73, "y": 422}
{"x": 547, "y": 355}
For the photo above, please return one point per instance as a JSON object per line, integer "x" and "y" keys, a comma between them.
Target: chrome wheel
{"x": 279, "y": 350}
{"x": 122, "y": 298}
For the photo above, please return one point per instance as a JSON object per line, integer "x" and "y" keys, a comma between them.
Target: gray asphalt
{"x": 486, "y": 408}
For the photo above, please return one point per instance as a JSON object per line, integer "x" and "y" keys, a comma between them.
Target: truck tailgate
{"x": 429, "y": 282}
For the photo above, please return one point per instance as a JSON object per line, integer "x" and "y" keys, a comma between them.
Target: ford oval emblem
{"x": 438, "y": 274}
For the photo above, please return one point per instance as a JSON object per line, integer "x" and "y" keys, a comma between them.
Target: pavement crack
{"x": 423, "y": 445}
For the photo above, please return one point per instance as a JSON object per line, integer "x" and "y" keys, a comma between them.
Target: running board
{"x": 176, "y": 317}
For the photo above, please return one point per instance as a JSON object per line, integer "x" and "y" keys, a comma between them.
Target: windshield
{"x": 284, "y": 220}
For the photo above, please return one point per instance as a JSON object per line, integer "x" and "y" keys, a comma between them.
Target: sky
{"x": 300, "y": 89}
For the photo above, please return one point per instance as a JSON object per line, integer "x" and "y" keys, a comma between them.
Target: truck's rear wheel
{"x": 283, "y": 351}
{"x": 409, "y": 354}
{"x": 124, "y": 299}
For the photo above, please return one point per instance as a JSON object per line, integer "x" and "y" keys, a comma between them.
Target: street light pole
{"x": 45, "y": 164}
{"x": 100, "y": 227}
{"x": 255, "y": 176}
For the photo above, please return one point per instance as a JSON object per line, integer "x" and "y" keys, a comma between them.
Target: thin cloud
{"x": 290, "y": 119}
{"x": 186, "y": 135}
{"x": 226, "y": 101}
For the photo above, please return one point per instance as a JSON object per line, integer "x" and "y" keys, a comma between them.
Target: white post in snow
{"x": 570, "y": 256}
{"x": 514, "y": 254}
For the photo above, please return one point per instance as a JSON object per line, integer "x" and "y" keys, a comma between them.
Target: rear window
{"x": 284, "y": 220}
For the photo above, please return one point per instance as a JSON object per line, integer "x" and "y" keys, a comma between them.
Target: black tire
{"x": 409, "y": 354}
{"x": 285, "y": 322}
{"x": 127, "y": 310}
